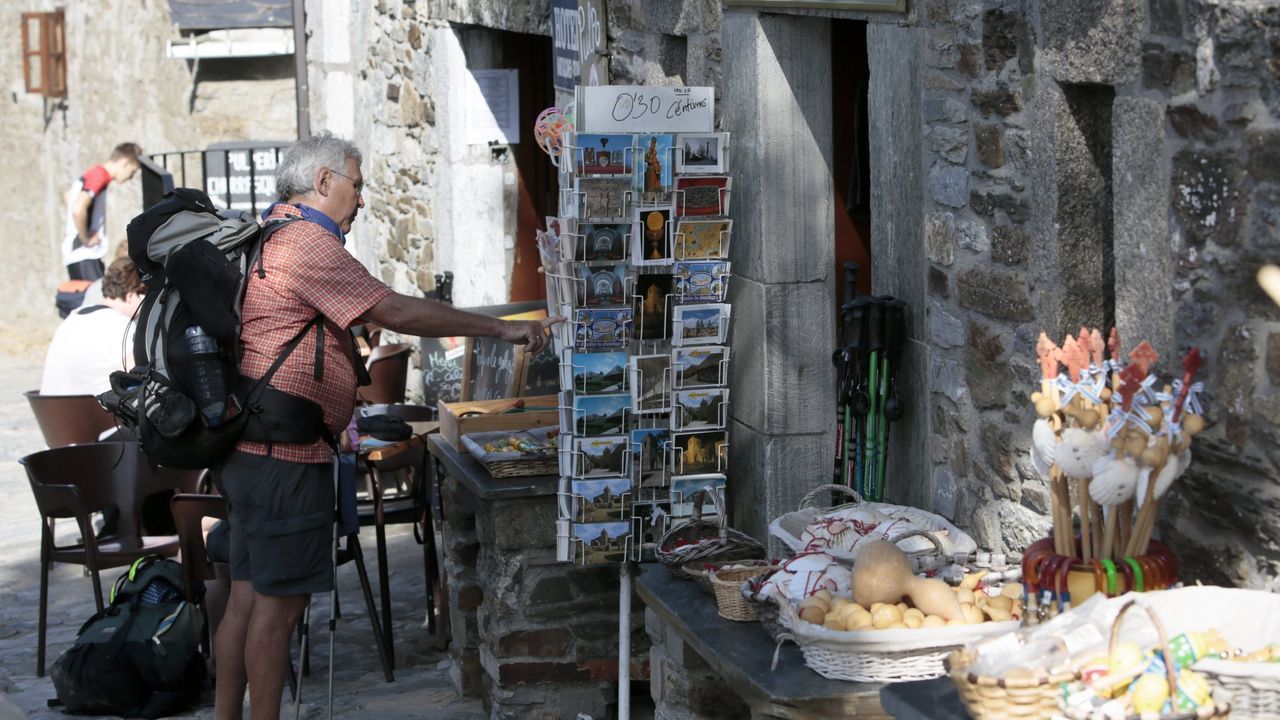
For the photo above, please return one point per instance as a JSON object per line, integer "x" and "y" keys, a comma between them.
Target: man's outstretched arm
{"x": 428, "y": 318}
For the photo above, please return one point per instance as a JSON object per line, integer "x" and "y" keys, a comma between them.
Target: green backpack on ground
{"x": 140, "y": 655}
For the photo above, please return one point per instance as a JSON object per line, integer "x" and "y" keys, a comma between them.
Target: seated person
{"x": 95, "y": 339}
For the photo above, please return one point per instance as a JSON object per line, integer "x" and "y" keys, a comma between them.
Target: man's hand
{"x": 530, "y": 333}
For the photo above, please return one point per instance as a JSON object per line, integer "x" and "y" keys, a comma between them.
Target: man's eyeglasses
{"x": 357, "y": 184}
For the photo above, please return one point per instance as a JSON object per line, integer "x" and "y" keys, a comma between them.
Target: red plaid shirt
{"x": 307, "y": 272}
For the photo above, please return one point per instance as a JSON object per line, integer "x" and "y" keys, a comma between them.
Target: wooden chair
{"x": 77, "y": 480}
{"x": 69, "y": 419}
{"x": 389, "y": 369}
{"x": 189, "y": 512}
{"x": 410, "y": 506}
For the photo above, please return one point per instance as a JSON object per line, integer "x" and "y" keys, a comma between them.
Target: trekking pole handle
{"x": 855, "y": 324}
{"x": 851, "y": 269}
{"x": 875, "y": 325}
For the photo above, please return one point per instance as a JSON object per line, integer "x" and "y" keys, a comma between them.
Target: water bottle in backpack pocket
{"x": 208, "y": 387}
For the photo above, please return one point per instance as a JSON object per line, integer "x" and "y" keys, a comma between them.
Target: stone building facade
{"x": 1037, "y": 166}
{"x": 121, "y": 87}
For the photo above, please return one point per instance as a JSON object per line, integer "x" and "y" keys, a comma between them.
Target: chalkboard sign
{"x": 494, "y": 369}
{"x": 542, "y": 375}
{"x": 443, "y": 358}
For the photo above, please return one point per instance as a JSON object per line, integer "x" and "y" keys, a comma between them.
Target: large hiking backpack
{"x": 196, "y": 262}
{"x": 139, "y": 656}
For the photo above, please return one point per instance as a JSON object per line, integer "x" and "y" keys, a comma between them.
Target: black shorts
{"x": 281, "y": 516}
{"x": 86, "y": 270}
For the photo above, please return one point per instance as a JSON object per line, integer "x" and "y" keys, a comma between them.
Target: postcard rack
{"x": 637, "y": 262}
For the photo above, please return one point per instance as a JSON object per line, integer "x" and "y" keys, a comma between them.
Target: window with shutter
{"x": 44, "y": 53}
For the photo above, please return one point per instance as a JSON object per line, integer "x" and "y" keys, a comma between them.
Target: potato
{"x": 996, "y": 614}
{"x": 857, "y": 620}
{"x": 837, "y": 603}
{"x": 886, "y": 616}
{"x": 972, "y": 614}
{"x": 965, "y": 595}
{"x": 956, "y": 622}
{"x": 897, "y": 626}
{"x": 824, "y": 594}
{"x": 912, "y": 621}
{"x": 913, "y": 612}
{"x": 874, "y": 607}
{"x": 816, "y": 602}
{"x": 932, "y": 621}
{"x": 833, "y": 624}
{"x": 1001, "y": 602}
{"x": 813, "y": 614}
{"x": 903, "y": 607}
{"x": 971, "y": 580}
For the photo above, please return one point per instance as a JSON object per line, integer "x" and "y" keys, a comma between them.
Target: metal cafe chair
{"x": 77, "y": 480}
{"x": 69, "y": 419}
{"x": 388, "y": 370}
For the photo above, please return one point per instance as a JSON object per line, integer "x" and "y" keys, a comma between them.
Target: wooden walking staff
{"x": 1048, "y": 354}
{"x": 1145, "y": 525}
{"x": 1076, "y": 357}
{"x": 1126, "y": 386}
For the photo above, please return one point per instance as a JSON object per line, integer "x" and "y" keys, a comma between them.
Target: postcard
{"x": 649, "y": 449}
{"x": 602, "y": 328}
{"x": 598, "y": 198}
{"x": 652, "y": 166}
{"x": 599, "y": 154}
{"x": 600, "y": 500}
{"x": 650, "y": 383}
{"x": 649, "y": 519}
{"x": 703, "y": 195}
{"x": 683, "y": 488}
{"x": 603, "y": 542}
{"x": 698, "y": 409}
{"x": 701, "y": 239}
{"x": 700, "y": 452}
{"x": 699, "y": 366}
{"x": 651, "y": 244}
{"x": 601, "y": 285}
{"x": 702, "y": 282}
{"x": 595, "y": 373}
{"x": 702, "y": 153}
{"x": 700, "y": 324}
{"x": 652, "y": 316}
{"x": 599, "y": 414}
{"x": 601, "y": 241}
{"x": 601, "y": 456}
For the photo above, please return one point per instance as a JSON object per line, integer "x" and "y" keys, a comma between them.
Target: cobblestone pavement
{"x": 422, "y": 687}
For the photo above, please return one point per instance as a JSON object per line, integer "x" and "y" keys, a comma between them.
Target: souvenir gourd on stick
{"x": 1080, "y": 445}
{"x": 1044, "y": 434}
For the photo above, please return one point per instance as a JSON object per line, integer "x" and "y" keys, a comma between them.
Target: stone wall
{"x": 121, "y": 87}
{"x": 1111, "y": 165}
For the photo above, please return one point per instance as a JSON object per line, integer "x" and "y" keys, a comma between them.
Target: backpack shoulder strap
{"x": 271, "y": 227}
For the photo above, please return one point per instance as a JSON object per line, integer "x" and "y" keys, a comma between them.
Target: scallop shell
{"x": 1167, "y": 475}
{"x": 1078, "y": 451}
{"x": 1043, "y": 443}
{"x": 1184, "y": 461}
{"x": 1113, "y": 480}
{"x": 1143, "y": 478}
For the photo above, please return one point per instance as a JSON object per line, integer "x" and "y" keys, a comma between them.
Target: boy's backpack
{"x": 139, "y": 656}
{"x": 197, "y": 262}
{"x": 70, "y": 295}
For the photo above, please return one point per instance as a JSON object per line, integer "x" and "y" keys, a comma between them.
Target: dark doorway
{"x": 850, "y": 150}
{"x": 538, "y": 191}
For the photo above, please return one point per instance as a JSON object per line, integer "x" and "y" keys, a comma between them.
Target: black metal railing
{"x": 239, "y": 177}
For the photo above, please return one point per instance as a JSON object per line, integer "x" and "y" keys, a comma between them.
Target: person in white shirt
{"x": 96, "y": 339}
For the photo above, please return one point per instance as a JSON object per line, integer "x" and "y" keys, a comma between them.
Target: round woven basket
{"x": 703, "y": 541}
{"x": 726, "y": 582}
{"x": 989, "y": 698}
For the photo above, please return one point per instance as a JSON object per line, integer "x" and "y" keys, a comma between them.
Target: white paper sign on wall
{"x": 493, "y": 107}
{"x": 645, "y": 108}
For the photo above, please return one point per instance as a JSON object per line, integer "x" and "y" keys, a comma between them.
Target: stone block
{"x": 988, "y": 203}
{"x": 1263, "y": 148}
{"x": 519, "y": 524}
{"x": 990, "y": 140}
{"x": 952, "y": 143}
{"x": 777, "y": 97}
{"x": 1000, "y": 30}
{"x": 530, "y": 673}
{"x": 1167, "y": 69}
{"x": 972, "y": 236}
{"x": 945, "y": 330}
{"x": 1092, "y": 41}
{"x": 1206, "y": 195}
{"x": 1001, "y": 102}
{"x": 781, "y": 385}
{"x": 938, "y": 244}
{"x": 944, "y": 492}
{"x": 943, "y": 109}
{"x": 1166, "y": 17}
{"x": 549, "y": 591}
{"x": 543, "y": 643}
{"x": 939, "y": 285}
{"x": 792, "y": 465}
{"x": 949, "y": 185}
{"x": 969, "y": 60}
{"x": 1009, "y": 245}
{"x": 1189, "y": 122}
{"x": 997, "y": 294}
{"x": 594, "y": 580}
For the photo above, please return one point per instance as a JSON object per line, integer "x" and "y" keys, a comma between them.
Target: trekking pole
{"x": 875, "y": 346}
{"x": 333, "y": 592}
{"x": 893, "y": 330}
{"x": 846, "y": 387}
{"x": 302, "y": 652}
{"x": 855, "y": 348}
{"x": 840, "y": 358}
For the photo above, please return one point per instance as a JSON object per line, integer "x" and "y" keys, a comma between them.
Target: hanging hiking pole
{"x": 859, "y": 403}
{"x": 893, "y": 329}
{"x": 847, "y": 360}
{"x": 875, "y": 347}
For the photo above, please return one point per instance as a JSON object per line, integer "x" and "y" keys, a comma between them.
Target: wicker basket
{"x": 1218, "y": 709}
{"x": 788, "y": 528}
{"x": 702, "y": 541}
{"x": 727, "y": 582}
{"x": 882, "y": 655}
{"x": 989, "y": 698}
{"x": 513, "y": 464}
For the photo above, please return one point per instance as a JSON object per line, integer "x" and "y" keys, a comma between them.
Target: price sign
{"x": 645, "y": 108}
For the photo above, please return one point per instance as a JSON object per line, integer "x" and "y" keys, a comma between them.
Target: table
{"x": 475, "y": 478}
{"x": 742, "y": 653}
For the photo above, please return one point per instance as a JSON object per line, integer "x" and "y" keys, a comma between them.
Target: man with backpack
{"x": 300, "y": 300}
